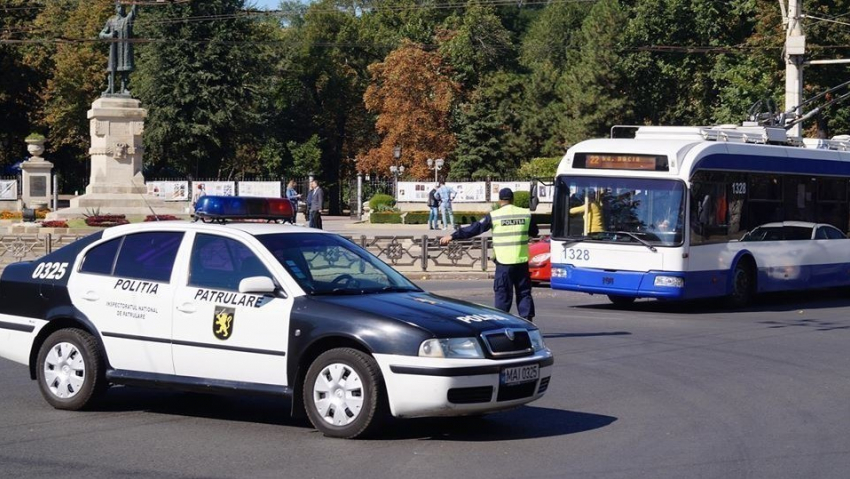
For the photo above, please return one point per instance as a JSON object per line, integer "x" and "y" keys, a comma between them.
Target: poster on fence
{"x": 545, "y": 193}
{"x": 169, "y": 190}
{"x": 513, "y": 185}
{"x": 262, "y": 189}
{"x": 8, "y": 189}
{"x": 217, "y": 188}
{"x": 469, "y": 192}
{"x": 414, "y": 192}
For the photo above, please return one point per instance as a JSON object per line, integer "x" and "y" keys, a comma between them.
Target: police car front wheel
{"x": 343, "y": 393}
{"x": 70, "y": 369}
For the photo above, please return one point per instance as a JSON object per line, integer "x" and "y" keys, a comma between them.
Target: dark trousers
{"x": 316, "y": 219}
{"x": 510, "y": 278}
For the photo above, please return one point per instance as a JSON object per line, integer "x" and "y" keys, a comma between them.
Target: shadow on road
{"x": 778, "y": 302}
{"x": 526, "y": 422}
{"x": 522, "y": 423}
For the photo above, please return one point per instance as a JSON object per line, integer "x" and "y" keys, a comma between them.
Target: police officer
{"x": 511, "y": 228}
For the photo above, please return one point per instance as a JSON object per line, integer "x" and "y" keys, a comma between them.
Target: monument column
{"x": 35, "y": 176}
{"x": 116, "y": 125}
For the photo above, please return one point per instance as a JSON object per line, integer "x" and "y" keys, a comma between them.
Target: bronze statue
{"x": 119, "y": 29}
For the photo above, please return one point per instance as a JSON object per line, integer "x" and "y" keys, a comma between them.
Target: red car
{"x": 538, "y": 261}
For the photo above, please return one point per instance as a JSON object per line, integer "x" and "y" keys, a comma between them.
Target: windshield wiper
{"x": 396, "y": 289}
{"x": 634, "y": 237}
{"x": 570, "y": 240}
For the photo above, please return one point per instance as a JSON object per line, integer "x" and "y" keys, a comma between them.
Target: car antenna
{"x": 155, "y": 216}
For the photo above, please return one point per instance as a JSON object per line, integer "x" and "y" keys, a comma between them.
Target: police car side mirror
{"x": 257, "y": 285}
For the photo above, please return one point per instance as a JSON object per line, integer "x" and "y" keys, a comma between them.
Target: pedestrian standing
{"x": 293, "y": 196}
{"x": 308, "y": 203}
{"x": 446, "y": 195}
{"x": 512, "y": 227}
{"x": 434, "y": 204}
{"x": 199, "y": 193}
{"x": 316, "y": 203}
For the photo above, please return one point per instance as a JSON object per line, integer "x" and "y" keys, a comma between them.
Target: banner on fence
{"x": 469, "y": 192}
{"x": 263, "y": 189}
{"x": 545, "y": 193}
{"x": 217, "y": 188}
{"x": 8, "y": 189}
{"x": 415, "y": 192}
{"x": 169, "y": 190}
{"x": 513, "y": 185}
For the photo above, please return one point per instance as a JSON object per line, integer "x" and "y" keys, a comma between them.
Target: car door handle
{"x": 186, "y": 308}
{"x": 91, "y": 296}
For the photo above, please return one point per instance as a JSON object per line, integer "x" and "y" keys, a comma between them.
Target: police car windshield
{"x": 325, "y": 264}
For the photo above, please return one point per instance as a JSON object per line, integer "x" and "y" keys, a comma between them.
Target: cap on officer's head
{"x": 506, "y": 194}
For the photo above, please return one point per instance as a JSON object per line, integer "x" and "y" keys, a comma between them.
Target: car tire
{"x": 617, "y": 300}
{"x": 344, "y": 393}
{"x": 743, "y": 285}
{"x": 70, "y": 369}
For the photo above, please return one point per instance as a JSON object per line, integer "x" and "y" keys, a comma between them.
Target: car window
{"x": 101, "y": 258}
{"x": 797, "y": 232}
{"x": 834, "y": 233}
{"x": 222, "y": 263}
{"x": 821, "y": 233}
{"x": 148, "y": 255}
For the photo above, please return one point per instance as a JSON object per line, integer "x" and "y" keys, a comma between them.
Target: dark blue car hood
{"x": 441, "y": 316}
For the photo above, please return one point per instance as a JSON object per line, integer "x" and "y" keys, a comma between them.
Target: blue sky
{"x": 266, "y": 4}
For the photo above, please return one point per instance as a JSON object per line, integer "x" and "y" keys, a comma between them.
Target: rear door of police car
{"x": 220, "y": 333}
{"x": 124, "y": 287}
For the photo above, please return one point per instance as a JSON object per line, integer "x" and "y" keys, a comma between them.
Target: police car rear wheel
{"x": 70, "y": 369}
{"x": 342, "y": 393}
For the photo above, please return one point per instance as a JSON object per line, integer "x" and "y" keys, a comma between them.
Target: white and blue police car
{"x": 261, "y": 308}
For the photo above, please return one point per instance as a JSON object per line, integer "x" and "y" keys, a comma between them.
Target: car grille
{"x": 508, "y": 342}
{"x": 519, "y": 391}
{"x": 470, "y": 395}
{"x": 544, "y": 385}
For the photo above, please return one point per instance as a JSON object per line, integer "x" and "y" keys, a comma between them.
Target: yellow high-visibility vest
{"x": 510, "y": 234}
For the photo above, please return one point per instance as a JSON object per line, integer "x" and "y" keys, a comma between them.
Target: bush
{"x": 161, "y": 218}
{"x": 54, "y": 224}
{"x": 10, "y": 215}
{"x": 522, "y": 199}
{"x": 543, "y": 168}
{"x": 105, "y": 221}
{"x": 381, "y": 202}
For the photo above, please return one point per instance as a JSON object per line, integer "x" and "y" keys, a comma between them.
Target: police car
{"x": 261, "y": 308}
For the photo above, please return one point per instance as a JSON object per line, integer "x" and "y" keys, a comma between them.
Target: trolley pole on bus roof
{"x": 795, "y": 50}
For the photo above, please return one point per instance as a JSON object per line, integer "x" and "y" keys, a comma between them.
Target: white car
{"x": 261, "y": 308}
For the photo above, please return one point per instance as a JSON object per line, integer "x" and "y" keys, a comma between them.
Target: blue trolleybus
{"x": 693, "y": 212}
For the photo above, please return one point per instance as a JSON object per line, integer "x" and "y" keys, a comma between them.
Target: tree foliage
{"x": 412, "y": 95}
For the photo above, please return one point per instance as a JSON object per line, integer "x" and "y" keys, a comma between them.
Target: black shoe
{"x": 530, "y": 319}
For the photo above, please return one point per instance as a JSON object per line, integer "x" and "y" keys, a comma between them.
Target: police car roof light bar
{"x": 223, "y": 208}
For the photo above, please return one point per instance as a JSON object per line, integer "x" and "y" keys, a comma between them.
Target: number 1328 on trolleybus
{"x": 692, "y": 212}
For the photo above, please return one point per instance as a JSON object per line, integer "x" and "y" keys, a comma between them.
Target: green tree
{"x": 595, "y": 90}
{"x": 197, "y": 79}
{"x": 306, "y": 157}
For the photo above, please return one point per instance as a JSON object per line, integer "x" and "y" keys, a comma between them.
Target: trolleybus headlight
{"x": 559, "y": 272}
{"x": 536, "y": 340}
{"x": 463, "y": 348}
{"x": 540, "y": 258}
{"x": 670, "y": 281}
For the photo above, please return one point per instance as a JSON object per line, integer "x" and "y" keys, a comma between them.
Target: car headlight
{"x": 559, "y": 272}
{"x": 536, "y": 340}
{"x": 467, "y": 348}
{"x": 670, "y": 281}
{"x": 540, "y": 258}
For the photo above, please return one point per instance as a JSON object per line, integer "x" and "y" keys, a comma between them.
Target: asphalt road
{"x": 658, "y": 391}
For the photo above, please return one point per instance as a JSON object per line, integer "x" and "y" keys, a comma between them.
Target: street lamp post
{"x": 435, "y": 165}
{"x": 396, "y": 172}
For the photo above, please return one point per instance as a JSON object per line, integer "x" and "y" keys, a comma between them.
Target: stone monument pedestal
{"x": 35, "y": 176}
{"x": 117, "y": 185}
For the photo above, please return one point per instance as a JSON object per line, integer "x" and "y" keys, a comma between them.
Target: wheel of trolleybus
{"x": 70, "y": 369}
{"x": 343, "y": 393}
{"x": 621, "y": 300}
{"x": 743, "y": 284}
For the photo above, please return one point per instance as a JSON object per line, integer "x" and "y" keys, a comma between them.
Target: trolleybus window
{"x": 620, "y": 210}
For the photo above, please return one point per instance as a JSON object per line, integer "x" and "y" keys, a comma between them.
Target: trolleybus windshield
{"x": 629, "y": 210}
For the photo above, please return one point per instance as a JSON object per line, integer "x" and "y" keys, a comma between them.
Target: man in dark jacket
{"x": 317, "y": 199}
{"x": 434, "y": 204}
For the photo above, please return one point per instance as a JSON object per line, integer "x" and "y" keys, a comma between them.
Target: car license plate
{"x": 520, "y": 374}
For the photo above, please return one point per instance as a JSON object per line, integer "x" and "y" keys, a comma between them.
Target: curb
{"x": 447, "y": 275}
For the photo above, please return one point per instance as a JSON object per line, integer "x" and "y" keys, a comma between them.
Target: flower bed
{"x": 161, "y": 218}
{"x": 54, "y": 224}
{"x": 105, "y": 221}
